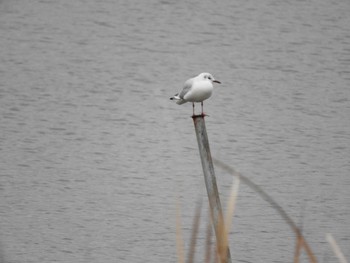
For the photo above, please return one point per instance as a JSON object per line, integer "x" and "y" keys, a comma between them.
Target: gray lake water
{"x": 94, "y": 156}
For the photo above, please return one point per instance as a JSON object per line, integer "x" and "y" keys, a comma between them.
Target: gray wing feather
{"x": 187, "y": 88}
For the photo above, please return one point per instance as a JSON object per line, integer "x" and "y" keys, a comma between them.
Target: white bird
{"x": 196, "y": 89}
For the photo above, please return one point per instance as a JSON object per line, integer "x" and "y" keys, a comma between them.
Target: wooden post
{"x": 209, "y": 176}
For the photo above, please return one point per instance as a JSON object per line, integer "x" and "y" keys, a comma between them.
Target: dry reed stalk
{"x": 224, "y": 225}
{"x": 221, "y": 242}
{"x": 336, "y": 249}
{"x": 230, "y": 210}
{"x": 298, "y": 247}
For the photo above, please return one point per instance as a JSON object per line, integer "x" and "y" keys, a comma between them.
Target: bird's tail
{"x": 175, "y": 97}
{"x": 178, "y": 99}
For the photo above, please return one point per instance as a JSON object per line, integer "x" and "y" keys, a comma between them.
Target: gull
{"x": 196, "y": 89}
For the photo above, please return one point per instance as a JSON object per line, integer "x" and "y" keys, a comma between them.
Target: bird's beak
{"x": 216, "y": 81}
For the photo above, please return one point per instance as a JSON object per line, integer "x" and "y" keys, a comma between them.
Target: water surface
{"x": 94, "y": 155}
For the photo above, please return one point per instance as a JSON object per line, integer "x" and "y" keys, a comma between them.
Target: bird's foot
{"x": 200, "y": 115}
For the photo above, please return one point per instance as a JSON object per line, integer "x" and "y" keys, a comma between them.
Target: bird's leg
{"x": 203, "y": 114}
{"x": 193, "y": 107}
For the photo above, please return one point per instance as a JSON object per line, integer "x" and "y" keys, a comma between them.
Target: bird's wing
{"x": 187, "y": 88}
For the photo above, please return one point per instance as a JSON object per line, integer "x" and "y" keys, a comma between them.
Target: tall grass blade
{"x": 336, "y": 249}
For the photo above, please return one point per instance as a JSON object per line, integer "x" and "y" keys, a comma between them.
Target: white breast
{"x": 200, "y": 91}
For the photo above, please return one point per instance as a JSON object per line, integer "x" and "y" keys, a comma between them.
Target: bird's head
{"x": 208, "y": 76}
